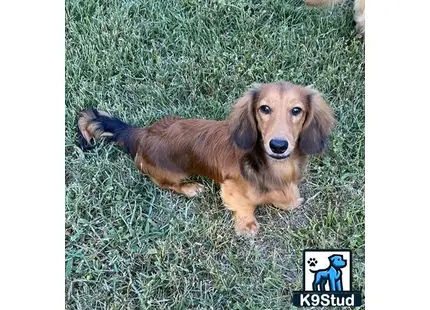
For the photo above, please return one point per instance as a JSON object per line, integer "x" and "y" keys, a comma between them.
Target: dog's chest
{"x": 285, "y": 171}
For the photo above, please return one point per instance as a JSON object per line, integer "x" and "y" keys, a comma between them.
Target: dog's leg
{"x": 236, "y": 200}
{"x": 315, "y": 284}
{"x": 322, "y": 285}
{"x": 332, "y": 283}
{"x": 339, "y": 287}
{"x": 167, "y": 179}
{"x": 359, "y": 8}
{"x": 287, "y": 199}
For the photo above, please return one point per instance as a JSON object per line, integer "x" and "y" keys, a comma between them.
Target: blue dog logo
{"x": 329, "y": 282}
{"x": 332, "y": 274}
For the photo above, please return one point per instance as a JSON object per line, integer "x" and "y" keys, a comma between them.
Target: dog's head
{"x": 337, "y": 261}
{"x": 281, "y": 117}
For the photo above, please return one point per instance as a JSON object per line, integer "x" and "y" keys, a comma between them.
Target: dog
{"x": 333, "y": 274}
{"x": 359, "y": 6}
{"x": 258, "y": 155}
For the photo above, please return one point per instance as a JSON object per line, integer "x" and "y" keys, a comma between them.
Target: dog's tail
{"x": 94, "y": 124}
{"x": 322, "y": 2}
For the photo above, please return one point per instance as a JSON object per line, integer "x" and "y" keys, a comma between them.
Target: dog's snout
{"x": 278, "y": 146}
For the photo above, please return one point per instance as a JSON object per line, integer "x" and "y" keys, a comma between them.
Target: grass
{"x": 131, "y": 245}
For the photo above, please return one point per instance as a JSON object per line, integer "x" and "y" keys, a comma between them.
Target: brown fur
{"x": 234, "y": 152}
{"x": 359, "y": 6}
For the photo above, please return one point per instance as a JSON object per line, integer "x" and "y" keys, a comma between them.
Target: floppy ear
{"x": 319, "y": 122}
{"x": 243, "y": 127}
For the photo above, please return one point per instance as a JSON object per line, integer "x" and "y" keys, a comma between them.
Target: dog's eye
{"x": 265, "y": 109}
{"x": 296, "y": 111}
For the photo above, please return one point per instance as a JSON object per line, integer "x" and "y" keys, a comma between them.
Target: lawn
{"x": 131, "y": 245}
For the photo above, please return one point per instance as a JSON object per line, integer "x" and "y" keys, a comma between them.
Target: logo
{"x": 327, "y": 280}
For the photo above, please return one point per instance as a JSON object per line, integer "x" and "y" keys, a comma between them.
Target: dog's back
{"x": 207, "y": 143}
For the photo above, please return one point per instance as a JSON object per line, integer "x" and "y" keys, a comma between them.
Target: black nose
{"x": 278, "y": 146}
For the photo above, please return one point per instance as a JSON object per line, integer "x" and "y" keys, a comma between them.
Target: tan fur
{"x": 89, "y": 129}
{"x": 280, "y": 123}
{"x": 359, "y": 16}
{"x": 359, "y": 6}
{"x": 234, "y": 152}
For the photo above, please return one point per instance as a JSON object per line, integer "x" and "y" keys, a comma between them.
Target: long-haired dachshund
{"x": 258, "y": 155}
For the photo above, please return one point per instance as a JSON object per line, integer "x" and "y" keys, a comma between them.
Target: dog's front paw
{"x": 191, "y": 189}
{"x": 298, "y": 203}
{"x": 246, "y": 228}
{"x": 290, "y": 206}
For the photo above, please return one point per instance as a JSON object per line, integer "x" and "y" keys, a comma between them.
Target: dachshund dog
{"x": 359, "y": 6}
{"x": 258, "y": 155}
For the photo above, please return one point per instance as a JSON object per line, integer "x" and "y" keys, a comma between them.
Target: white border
{"x": 397, "y": 158}
{"x": 32, "y": 154}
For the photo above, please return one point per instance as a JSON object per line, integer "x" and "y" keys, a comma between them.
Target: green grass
{"x": 131, "y": 245}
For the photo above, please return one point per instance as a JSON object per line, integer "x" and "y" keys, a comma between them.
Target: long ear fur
{"x": 243, "y": 125}
{"x": 319, "y": 122}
